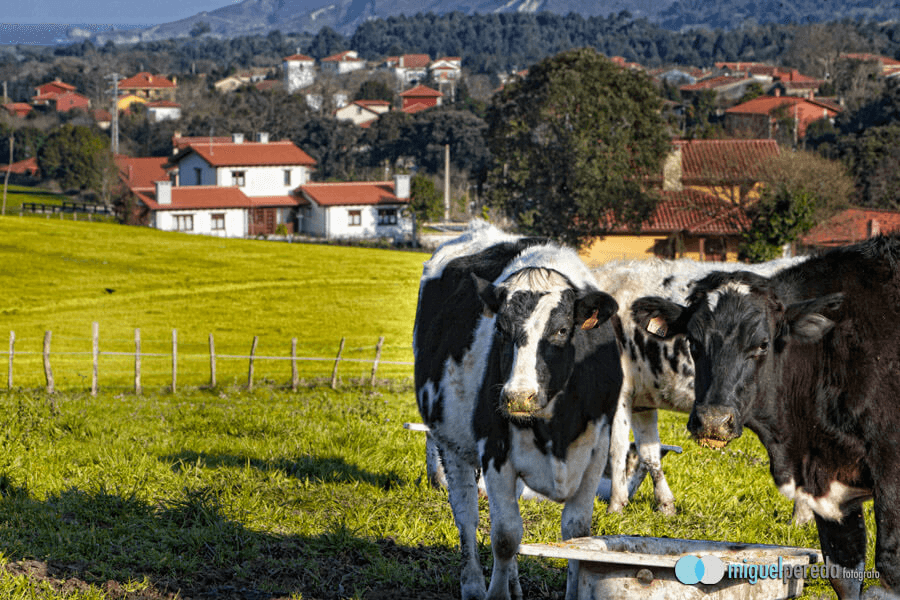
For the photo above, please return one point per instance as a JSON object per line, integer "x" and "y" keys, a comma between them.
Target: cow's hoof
{"x": 615, "y": 508}
{"x": 667, "y": 509}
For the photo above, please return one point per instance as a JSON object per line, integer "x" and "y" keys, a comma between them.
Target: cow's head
{"x": 540, "y": 320}
{"x": 738, "y": 328}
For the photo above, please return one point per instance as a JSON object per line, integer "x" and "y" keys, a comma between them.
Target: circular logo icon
{"x": 691, "y": 570}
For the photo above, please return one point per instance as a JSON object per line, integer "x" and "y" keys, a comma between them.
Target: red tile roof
{"x": 372, "y": 102}
{"x": 28, "y": 166}
{"x": 198, "y": 197}
{"x": 764, "y": 105}
{"x": 180, "y": 142}
{"x": 852, "y": 225}
{"x": 18, "y": 109}
{"x": 249, "y": 154}
{"x": 692, "y": 211}
{"x": 418, "y": 107}
{"x": 421, "y": 91}
{"x": 724, "y": 160}
{"x": 144, "y": 80}
{"x": 352, "y": 193}
{"x": 414, "y": 61}
{"x": 163, "y": 104}
{"x": 54, "y": 87}
{"x": 141, "y": 173}
{"x": 345, "y": 56}
{"x": 299, "y": 57}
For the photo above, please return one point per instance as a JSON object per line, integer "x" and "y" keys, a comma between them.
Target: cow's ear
{"x": 660, "y": 317}
{"x": 804, "y": 322}
{"x": 490, "y": 295}
{"x": 592, "y": 309}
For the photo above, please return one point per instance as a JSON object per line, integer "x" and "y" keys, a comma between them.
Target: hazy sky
{"x": 105, "y": 11}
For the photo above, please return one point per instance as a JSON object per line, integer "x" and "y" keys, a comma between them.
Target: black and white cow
{"x": 517, "y": 374}
{"x": 658, "y": 373}
{"x": 808, "y": 360}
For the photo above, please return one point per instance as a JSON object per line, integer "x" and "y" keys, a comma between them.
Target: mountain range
{"x": 249, "y": 17}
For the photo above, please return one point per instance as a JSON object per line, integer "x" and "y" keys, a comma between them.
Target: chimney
{"x": 874, "y": 228}
{"x": 262, "y": 137}
{"x": 237, "y": 138}
{"x": 401, "y": 186}
{"x": 163, "y": 192}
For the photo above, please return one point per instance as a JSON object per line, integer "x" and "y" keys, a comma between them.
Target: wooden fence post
{"x": 336, "y": 361}
{"x": 174, "y": 359}
{"x": 252, "y": 356}
{"x": 137, "y": 362}
{"x": 377, "y": 359}
{"x": 295, "y": 377}
{"x": 212, "y": 361}
{"x": 95, "y": 356}
{"x": 12, "y": 351}
{"x": 48, "y": 372}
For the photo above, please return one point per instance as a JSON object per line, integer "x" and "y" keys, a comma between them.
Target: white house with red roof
{"x": 149, "y": 86}
{"x": 163, "y": 110}
{"x": 362, "y": 112}
{"x": 60, "y": 96}
{"x": 343, "y": 62}
{"x": 357, "y": 210}
{"x": 446, "y": 68}
{"x": 408, "y": 68}
{"x": 230, "y": 189}
{"x": 299, "y": 72}
{"x": 420, "y": 98}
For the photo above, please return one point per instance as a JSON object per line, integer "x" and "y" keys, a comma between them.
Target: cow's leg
{"x": 887, "y": 521}
{"x": 506, "y": 532}
{"x": 434, "y": 466}
{"x": 618, "y": 452}
{"x": 844, "y": 543}
{"x": 646, "y": 438}
{"x": 803, "y": 514}
{"x": 579, "y": 509}
{"x": 463, "y": 493}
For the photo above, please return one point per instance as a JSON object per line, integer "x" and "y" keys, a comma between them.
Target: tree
{"x": 76, "y": 156}
{"x": 780, "y": 217}
{"x": 425, "y": 201}
{"x": 572, "y": 145}
{"x": 374, "y": 89}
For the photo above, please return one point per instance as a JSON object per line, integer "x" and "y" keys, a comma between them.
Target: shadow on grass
{"x": 187, "y": 549}
{"x": 307, "y": 468}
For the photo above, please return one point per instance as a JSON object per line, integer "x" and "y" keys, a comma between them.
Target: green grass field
{"x": 224, "y": 493}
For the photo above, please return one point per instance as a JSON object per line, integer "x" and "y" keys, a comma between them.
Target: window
{"x": 199, "y": 174}
{"x": 184, "y": 222}
{"x": 287, "y": 177}
{"x": 387, "y": 216}
{"x": 217, "y": 221}
{"x": 354, "y": 217}
{"x": 238, "y": 178}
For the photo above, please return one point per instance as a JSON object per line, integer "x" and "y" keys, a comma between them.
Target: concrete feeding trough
{"x": 622, "y": 567}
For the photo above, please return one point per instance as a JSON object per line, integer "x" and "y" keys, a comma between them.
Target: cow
{"x": 808, "y": 360}
{"x": 517, "y": 374}
{"x": 658, "y": 373}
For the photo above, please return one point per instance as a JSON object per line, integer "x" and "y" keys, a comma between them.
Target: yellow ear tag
{"x": 591, "y": 321}
{"x": 658, "y": 326}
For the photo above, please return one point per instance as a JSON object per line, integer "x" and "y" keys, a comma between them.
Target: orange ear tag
{"x": 658, "y": 326}
{"x": 591, "y": 321}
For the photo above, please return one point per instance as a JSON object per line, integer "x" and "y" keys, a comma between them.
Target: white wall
{"x": 235, "y": 221}
{"x": 339, "y": 228}
{"x": 264, "y": 181}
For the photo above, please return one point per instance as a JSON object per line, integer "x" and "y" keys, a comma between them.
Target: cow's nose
{"x": 713, "y": 423}
{"x": 519, "y": 402}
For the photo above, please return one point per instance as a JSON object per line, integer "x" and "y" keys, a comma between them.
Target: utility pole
{"x": 114, "y": 133}
{"x": 446, "y": 183}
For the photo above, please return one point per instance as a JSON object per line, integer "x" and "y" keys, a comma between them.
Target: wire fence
{"x": 168, "y": 364}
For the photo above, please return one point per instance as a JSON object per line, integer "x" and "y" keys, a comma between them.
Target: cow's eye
{"x": 760, "y": 350}
{"x": 563, "y": 332}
